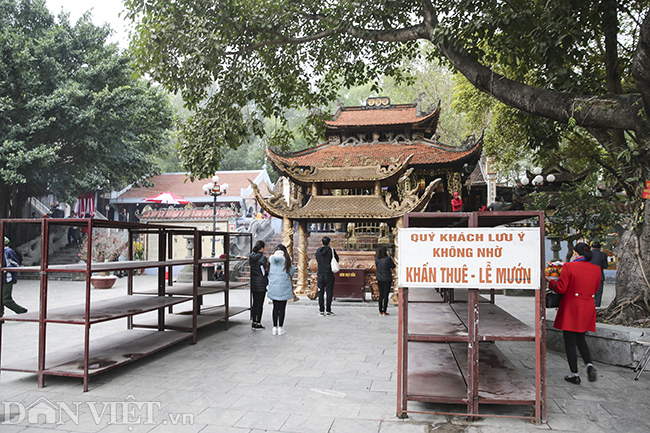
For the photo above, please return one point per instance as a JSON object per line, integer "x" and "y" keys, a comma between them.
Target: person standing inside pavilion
{"x": 385, "y": 265}
{"x": 259, "y": 271}
{"x": 456, "y": 203}
{"x": 325, "y": 277}
{"x": 280, "y": 289}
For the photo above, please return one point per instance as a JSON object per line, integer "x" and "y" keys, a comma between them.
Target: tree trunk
{"x": 632, "y": 300}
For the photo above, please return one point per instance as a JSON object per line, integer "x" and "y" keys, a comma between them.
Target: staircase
{"x": 65, "y": 256}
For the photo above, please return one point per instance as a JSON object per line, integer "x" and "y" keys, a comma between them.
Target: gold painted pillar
{"x": 454, "y": 185}
{"x": 302, "y": 285}
{"x": 287, "y": 240}
{"x": 287, "y": 235}
{"x": 398, "y": 225}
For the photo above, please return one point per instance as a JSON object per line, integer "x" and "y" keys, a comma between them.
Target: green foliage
{"x": 226, "y": 58}
{"x": 72, "y": 117}
{"x": 437, "y": 83}
{"x": 558, "y": 46}
{"x": 218, "y": 55}
{"x": 578, "y": 213}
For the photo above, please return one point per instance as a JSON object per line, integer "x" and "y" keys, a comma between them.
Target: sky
{"x": 103, "y": 11}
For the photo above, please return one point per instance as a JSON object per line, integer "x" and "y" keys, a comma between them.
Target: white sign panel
{"x": 484, "y": 258}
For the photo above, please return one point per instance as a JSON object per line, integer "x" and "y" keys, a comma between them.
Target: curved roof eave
{"x": 348, "y": 208}
{"x": 341, "y": 177}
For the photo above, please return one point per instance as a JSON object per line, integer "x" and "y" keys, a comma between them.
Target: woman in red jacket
{"x": 456, "y": 203}
{"x": 579, "y": 282}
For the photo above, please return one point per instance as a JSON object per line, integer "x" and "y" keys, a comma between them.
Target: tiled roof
{"x": 425, "y": 152}
{"x": 336, "y": 175}
{"x": 179, "y": 183}
{"x": 224, "y": 213}
{"x": 348, "y": 117}
{"x": 476, "y": 178}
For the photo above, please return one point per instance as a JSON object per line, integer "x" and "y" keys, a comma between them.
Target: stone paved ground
{"x": 327, "y": 374}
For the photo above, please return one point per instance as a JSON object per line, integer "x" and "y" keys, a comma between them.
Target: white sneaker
{"x": 281, "y": 330}
{"x": 275, "y": 330}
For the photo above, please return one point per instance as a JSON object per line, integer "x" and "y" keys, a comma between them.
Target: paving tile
{"x": 403, "y": 427}
{"x": 261, "y": 420}
{"x": 355, "y": 425}
{"x": 222, "y": 429}
{"x": 306, "y": 424}
{"x": 334, "y": 374}
{"x": 219, "y": 417}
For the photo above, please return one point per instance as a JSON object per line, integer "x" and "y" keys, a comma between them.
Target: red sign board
{"x": 646, "y": 190}
{"x": 349, "y": 284}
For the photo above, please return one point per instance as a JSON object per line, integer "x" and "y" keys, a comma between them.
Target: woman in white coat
{"x": 279, "y": 290}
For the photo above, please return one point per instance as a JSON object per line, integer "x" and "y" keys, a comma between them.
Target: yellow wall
{"x": 180, "y": 244}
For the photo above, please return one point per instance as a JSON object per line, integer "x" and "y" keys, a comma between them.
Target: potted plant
{"x": 138, "y": 253}
{"x": 107, "y": 245}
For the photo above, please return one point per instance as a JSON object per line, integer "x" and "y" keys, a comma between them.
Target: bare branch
{"x": 609, "y": 111}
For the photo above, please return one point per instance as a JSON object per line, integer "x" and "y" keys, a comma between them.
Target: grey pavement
{"x": 327, "y": 374}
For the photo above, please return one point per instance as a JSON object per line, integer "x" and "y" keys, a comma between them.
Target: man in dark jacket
{"x": 325, "y": 277}
{"x": 218, "y": 274}
{"x": 9, "y": 260}
{"x": 599, "y": 258}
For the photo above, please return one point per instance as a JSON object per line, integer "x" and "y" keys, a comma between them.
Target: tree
{"x": 577, "y": 213}
{"x": 72, "y": 117}
{"x": 580, "y": 65}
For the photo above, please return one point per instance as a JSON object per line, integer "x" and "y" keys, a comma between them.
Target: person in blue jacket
{"x": 9, "y": 260}
{"x": 280, "y": 289}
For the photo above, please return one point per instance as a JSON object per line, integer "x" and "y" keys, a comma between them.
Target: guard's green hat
{"x": 6, "y": 240}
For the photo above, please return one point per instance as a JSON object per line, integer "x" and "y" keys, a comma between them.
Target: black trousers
{"x": 258, "y": 306}
{"x": 571, "y": 340}
{"x": 384, "y": 291}
{"x": 325, "y": 287}
{"x": 279, "y": 308}
{"x": 599, "y": 294}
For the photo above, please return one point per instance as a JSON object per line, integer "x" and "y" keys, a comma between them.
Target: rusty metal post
{"x": 472, "y": 354}
{"x": 42, "y": 315}
{"x": 87, "y": 304}
{"x": 540, "y": 334}
{"x": 402, "y": 354}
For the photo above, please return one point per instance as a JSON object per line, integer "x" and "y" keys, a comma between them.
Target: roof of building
{"x": 425, "y": 152}
{"x": 343, "y": 177}
{"x": 377, "y": 116}
{"x": 180, "y": 184}
{"x": 222, "y": 213}
{"x": 348, "y": 207}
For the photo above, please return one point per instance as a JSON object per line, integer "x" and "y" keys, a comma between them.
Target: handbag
{"x": 334, "y": 264}
{"x": 553, "y": 299}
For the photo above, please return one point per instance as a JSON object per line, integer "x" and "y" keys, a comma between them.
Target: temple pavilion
{"x": 378, "y": 162}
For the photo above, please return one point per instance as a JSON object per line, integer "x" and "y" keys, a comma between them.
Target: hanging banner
{"x": 646, "y": 190}
{"x": 483, "y": 258}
